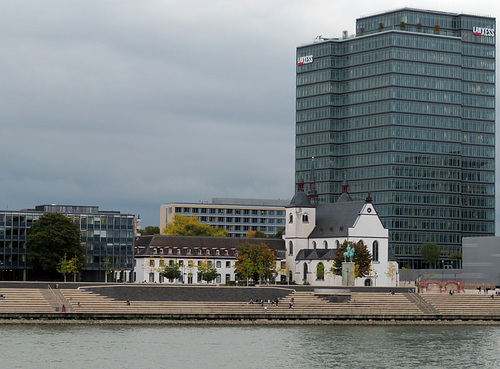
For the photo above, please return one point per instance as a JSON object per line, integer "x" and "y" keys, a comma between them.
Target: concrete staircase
{"x": 467, "y": 304}
{"x": 81, "y": 301}
{"x": 24, "y": 300}
{"x": 307, "y": 305}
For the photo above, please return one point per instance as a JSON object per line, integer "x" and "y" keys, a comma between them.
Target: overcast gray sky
{"x": 129, "y": 105}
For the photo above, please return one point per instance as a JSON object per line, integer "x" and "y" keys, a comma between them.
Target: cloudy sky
{"x": 129, "y": 105}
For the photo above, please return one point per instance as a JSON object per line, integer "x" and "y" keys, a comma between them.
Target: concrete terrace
{"x": 180, "y": 302}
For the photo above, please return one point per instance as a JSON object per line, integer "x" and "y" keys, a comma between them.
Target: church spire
{"x": 313, "y": 194}
{"x": 344, "y": 196}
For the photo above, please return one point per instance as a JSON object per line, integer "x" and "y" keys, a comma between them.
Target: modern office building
{"x": 236, "y": 216}
{"x": 404, "y": 110}
{"x": 108, "y": 238}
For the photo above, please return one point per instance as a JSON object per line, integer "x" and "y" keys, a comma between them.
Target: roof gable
{"x": 334, "y": 220}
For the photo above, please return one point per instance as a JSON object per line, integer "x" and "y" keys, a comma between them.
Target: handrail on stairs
{"x": 59, "y": 302}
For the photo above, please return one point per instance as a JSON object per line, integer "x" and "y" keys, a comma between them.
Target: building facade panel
{"x": 236, "y": 216}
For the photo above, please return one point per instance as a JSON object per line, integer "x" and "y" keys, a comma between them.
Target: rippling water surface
{"x": 114, "y": 346}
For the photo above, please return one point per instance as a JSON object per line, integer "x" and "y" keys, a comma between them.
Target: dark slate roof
{"x": 333, "y": 220}
{"x": 193, "y": 242}
{"x": 316, "y": 254}
{"x": 300, "y": 199}
{"x": 344, "y": 197}
{"x": 143, "y": 241}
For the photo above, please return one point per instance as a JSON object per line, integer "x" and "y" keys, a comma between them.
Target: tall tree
{"x": 255, "y": 261}
{"x": 362, "y": 259}
{"x": 190, "y": 226}
{"x": 51, "y": 237}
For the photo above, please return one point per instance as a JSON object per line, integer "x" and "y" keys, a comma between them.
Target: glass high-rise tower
{"x": 405, "y": 110}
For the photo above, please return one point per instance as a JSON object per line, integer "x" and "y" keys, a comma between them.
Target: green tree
{"x": 149, "y": 231}
{"x": 362, "y": 259}
{"x": 74, "y": 266}
{"x": 171, "y": 271}
{"x": 430, "y": 252}
{"x": 207, "y": 271}
{"x": 51, "y": 237}
{"x": 280, "y": 233}
{"x": 62, "y": 267}
{"x": 190, "y": 226}
{"x": 255, "y": 261}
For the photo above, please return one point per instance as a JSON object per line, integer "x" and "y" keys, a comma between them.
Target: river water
{"x": 248, "y": 346}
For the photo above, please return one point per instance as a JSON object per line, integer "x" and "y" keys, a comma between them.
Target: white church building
{"x": 314, "y": 231}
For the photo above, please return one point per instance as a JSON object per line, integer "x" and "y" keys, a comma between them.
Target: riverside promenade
{"x": 44, "y": 300}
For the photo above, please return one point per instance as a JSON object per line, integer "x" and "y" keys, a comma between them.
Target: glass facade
{"x": 107, "y": 236}
{"x": 405, "y": 110}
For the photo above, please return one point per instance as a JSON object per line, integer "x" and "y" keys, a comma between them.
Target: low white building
{"x": 153, "y": 253}
{"x": 315, "y": 231}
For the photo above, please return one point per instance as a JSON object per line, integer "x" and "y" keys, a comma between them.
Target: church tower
{"x": 300, "y": 222}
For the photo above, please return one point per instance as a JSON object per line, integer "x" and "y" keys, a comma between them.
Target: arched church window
{"x": 314, "y": 245}
{"x": 375, "y": 251}
{"x": 290, "y": 248}
{"x": 305, "y": 218}
{"x": 361, "y": 242}
{"x": 290, "y": 218}
{"x": 337, "y": 244}
{"x": 325, "y": 244}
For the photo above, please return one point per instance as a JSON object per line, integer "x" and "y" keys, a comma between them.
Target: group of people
{"x": 261, "y": 302}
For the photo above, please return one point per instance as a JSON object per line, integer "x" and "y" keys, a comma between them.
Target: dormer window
{"x": 217, "y": 252}
{"x": 226, "y": 252}
{"x": 162, "y": 251}
{"x": 169, "y": 250}
{"x": 178, "y": 251}
{"x": 208, "y": 252}
{"x": 155, "y": 251}
{"x": 189, "y": 251}
{"x": 199, "y": 251}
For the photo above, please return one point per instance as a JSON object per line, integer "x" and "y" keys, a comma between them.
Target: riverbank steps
{"x": 180, "y": 304}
